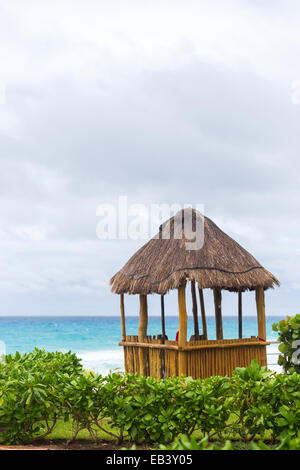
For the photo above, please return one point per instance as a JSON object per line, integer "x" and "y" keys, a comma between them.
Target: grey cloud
{"x": 85, "y": 122}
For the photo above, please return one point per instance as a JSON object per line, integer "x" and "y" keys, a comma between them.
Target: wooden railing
{"x": 204, "y": 358}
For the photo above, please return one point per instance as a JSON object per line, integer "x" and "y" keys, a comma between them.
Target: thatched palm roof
{"x": 164, "y": 263}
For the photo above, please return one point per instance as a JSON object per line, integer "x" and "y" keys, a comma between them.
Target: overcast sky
{"x": 162, "y": 101}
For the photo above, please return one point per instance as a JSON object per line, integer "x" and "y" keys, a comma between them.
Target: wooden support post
{"x": 240, "y": 314}
{"x": 182, "y": 366}
{"x": 218, "y": 312}
{"x": 163, "y": 325}
{"x": 195, "y": 310}
{"x": 163, "y": 330}
{"x": 203, "y": 316}
{"x": 142, "y": 331}
{"x": 122, "y": 317}
{"x": 261, "y": 315}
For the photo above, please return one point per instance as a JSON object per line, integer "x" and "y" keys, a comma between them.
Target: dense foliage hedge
{"x": 184, "y": 443}
{"x": 40, "y": 388}
{"x": 289, "y": 337}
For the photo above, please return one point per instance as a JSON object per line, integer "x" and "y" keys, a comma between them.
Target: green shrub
{"x": 265, "y": 402}
{"x": 289, "y": 337}
{"x": 40, "y": 388}
{"x": 148, "y": 409}
{"x": 286, "y": 443}
{"x": 184, "y": 443}
{"x": 29, "y": 398}
{"x": 134, "y": 405}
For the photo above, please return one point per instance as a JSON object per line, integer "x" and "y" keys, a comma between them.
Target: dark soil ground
{"x": 60, "y": 444}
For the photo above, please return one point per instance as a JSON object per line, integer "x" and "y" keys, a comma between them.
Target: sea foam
{"x": 102, "y": 361}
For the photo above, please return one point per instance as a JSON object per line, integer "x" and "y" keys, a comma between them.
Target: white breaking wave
{"x": 102, "y": 361}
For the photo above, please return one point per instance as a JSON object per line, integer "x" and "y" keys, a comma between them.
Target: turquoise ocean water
{"x": 95, "y": 339}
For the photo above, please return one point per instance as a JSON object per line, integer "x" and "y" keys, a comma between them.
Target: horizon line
{"x": 118, "y": 316}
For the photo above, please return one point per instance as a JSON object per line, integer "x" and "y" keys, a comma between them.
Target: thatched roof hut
{"x": 164, "y": 263}
{"x": 191, "y": 248}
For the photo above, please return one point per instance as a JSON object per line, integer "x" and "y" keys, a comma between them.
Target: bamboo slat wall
{"x": 171, "y": 360}
{"x": 131, "y": 356}
{"x": 225, "y": 357}
{"x": 204, "y": 358}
